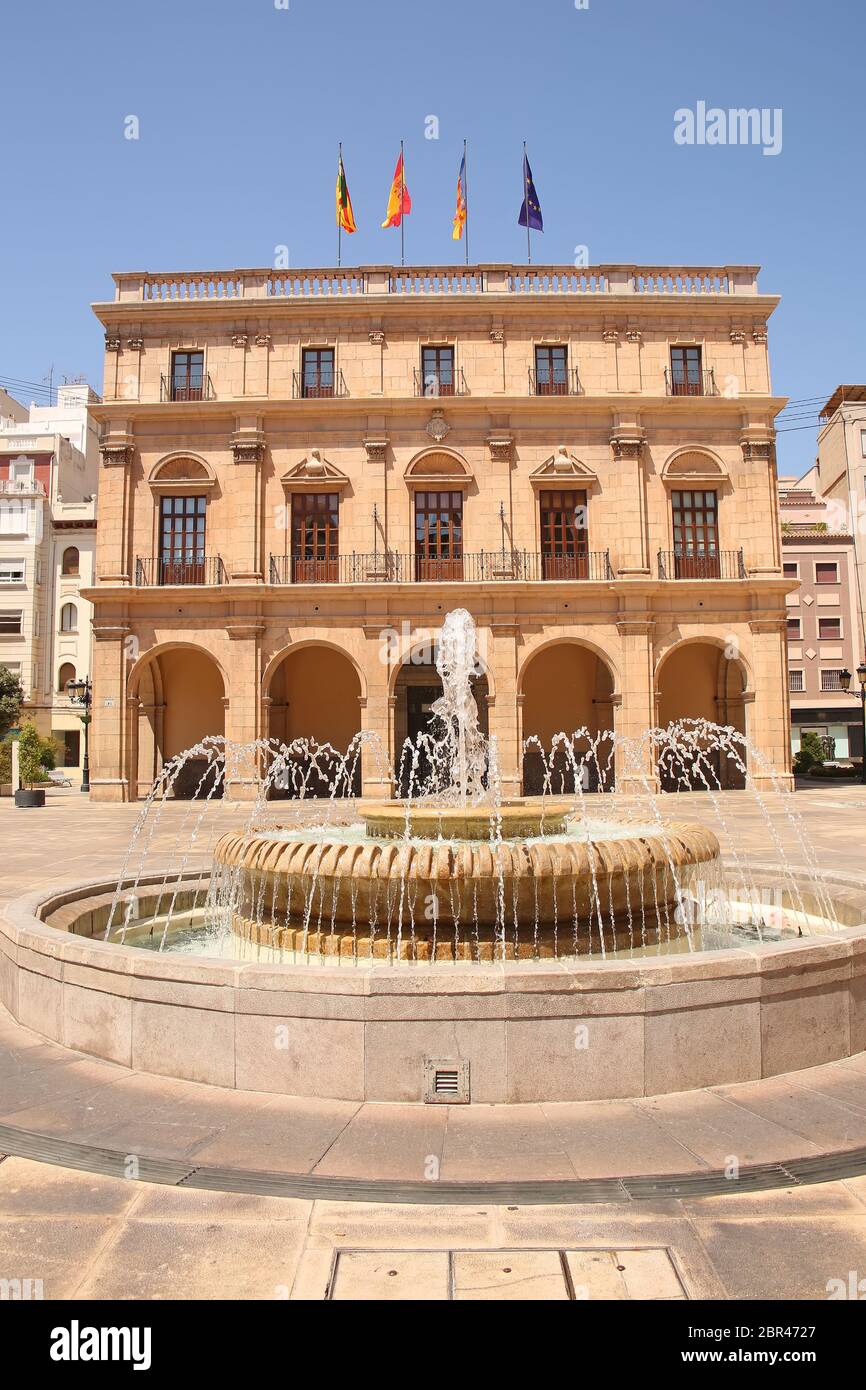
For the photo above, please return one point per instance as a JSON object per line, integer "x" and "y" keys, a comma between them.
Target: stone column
{"x": 243, "y": 710}
{"x": 633, "y": 542}
{"x": 768, "y": 719}
{"x": 636, "y": 712}
{"x": 109, "y": 776}
{"x": 377, "y": 717}
{"x": 504, "y": 718}
{"x": 115, "y": 563}
{"x": 246, "y": 562}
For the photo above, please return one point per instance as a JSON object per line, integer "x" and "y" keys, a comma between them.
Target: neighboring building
{"x": 303, "y": 471}
{"x": 49, "y": 472}
{"x": 823, "y": 621}
{"x": 842, "y": 478}
{"x": 12, "y": 412}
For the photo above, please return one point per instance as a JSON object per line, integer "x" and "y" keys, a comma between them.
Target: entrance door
{"x": 419, "y": 708}
{"x": 71, "y": 747}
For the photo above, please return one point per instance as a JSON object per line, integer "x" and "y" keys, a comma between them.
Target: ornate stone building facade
{"x": 302, "y": 472}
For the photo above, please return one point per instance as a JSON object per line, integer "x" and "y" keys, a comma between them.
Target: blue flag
{"x": 530, "y": 211}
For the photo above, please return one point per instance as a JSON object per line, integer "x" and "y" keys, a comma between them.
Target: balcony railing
{"x": 565, "y": 383}
{"x": 690, "y": 384}
{"x": 434, "y": 383}
{"x": 719, "y": 564}
{"x": 474, "y": 567}
{"x": 186, "y": 390}
{"x": 306, "y": 388}
{"x": 201, "y": 569}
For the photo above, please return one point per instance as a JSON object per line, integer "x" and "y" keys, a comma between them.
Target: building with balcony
{"x": 49, "y": 471}
{"x": 824, "y": 637}
{"x": 303, "y": 471}
{"x": 841, "y": 478}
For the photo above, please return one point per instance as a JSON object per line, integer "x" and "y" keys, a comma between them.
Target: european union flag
{"x": 530, "y": 211}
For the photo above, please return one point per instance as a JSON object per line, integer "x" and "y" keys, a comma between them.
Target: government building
{"x": 302, "y": 472}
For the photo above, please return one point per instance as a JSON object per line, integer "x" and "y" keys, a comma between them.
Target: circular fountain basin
{"x": 442, "y": 899}
{"x": 522, "y": 1031}
{"x": 509, "y": 820}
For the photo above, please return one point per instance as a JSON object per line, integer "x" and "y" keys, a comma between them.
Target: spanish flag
{"x": 460, "y": 214}
{"x": 345, "y": 215}
{"x": 399, "y": 202}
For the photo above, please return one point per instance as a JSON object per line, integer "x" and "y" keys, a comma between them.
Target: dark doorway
{"x": 71, "y": 747}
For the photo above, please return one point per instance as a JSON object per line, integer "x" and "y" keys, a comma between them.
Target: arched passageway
{"x": 700, "y": 680}
{"x": 567, "y": 688}
{"x": 315, "y": 695}
{"x": 417, "y": 686}
{"x": 181, "y": 700}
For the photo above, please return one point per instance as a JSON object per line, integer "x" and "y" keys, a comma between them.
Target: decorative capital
{"x": 240, "y": 339}
{"x": 501, "y": 447}
{"x": 757, "y": 451}
{"x": 248, "y": 448}
{"x": 376, "y": 449}
{"x": 610, "y": 335}
{"x": 116, "y": 455}
{"x": 626, "y": 446}
{"x": 112, "y": 342}
{"x": 737, "y": 336}
{"x": 497, "y": 335}
{"x": 438, "y": 427}
{"x": 633, "y": 335}
{"x": 263, "y": 339}
{"x": 759, "y": 332}
{"x": 376, "y": 336}
{"x": 135, "y": 343}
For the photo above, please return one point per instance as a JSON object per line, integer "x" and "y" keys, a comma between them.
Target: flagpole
{"x": 402, "y": 200}
{"x": 339, "y": 218}
{"x": 526, "y": 205}
{"x": 466, "y": 192}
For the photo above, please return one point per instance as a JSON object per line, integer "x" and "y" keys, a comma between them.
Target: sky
{"x": 240, "y": 105}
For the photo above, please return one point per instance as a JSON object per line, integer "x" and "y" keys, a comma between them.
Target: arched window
{"x": 65, "y": 675}
{"x": 69, "y": 618}
{"x": 71, "y": 560}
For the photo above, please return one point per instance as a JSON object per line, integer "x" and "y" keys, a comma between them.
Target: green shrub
{"x": 11, "y": 696}
{"x": 31, "y": 750}
{"x": 810, "y": 744}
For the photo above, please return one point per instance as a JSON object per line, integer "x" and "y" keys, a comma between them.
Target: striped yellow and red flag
{"x": 399, "y": 202}
{"x": 345, "y": 215}
{"x": 460, "y": 213}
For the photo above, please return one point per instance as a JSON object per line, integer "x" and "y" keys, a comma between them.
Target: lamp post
{"x": 81, "y": 693}
{"x": 845, "y": 682}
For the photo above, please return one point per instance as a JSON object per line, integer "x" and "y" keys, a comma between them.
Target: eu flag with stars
{"x": 530, "y": 211}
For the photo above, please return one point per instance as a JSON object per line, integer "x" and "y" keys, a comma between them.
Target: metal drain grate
{"x": 446, "y": 1082}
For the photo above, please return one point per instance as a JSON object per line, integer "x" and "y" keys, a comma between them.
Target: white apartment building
{"x": 842, "y": 479}
{"x": 49, "y": 465}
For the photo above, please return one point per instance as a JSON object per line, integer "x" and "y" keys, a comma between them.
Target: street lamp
{"x": 845, "y": 682}
{"x": 81, "y": 693}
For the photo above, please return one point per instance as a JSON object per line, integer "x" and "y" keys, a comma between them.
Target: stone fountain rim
{"x": 23, "y": 925}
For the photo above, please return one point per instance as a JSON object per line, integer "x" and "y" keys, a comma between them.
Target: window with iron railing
{"x": 437, "y": 371}
{"x": 438, "y": 535}
{"x": 831, "y": 681}
{"x": 182, "y": 540}
{"x": 796, "y": 682}
{"x": 317, "y": 374}
{"x": 187, "y": 376}
{"x": 687, "y": 378}
{"x": 564, "y": 534}
{"x": 551, "y": 371}
{"x": 315, "y": 537}
{"x": 695, "y": 517}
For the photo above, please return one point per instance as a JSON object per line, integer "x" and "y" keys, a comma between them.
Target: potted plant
{"x": 31, "y": 752}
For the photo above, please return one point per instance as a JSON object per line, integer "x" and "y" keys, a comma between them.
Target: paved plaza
{"x": 116, "y": 1183}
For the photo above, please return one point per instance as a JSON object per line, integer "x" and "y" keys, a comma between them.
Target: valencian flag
{"x": 460, "y": 214}
{"x": 530, "y": 211}
{"x": 345, "y": 215}
{"x": 399, "y": 202}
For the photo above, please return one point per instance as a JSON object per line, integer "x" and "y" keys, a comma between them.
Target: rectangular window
{"x": 830, "y": 629}
{"x": 795, "y": 681}
{"x": 15, "y": 514}
{"x": 687, "y": 378}
{"x": 826, "y": 572}
{"x": 794, "y": 630}
{"x": 551, "y": 371}
{"x": 315, "y": 537}
{"x": 564, "y": 535}
{"x": 438, "y": 535}
{"x": 21, "y": 471}
{"x": 830, "y": 681}
{"x": 11, "y": 622}
{"x": 182, "y": 540}
{"x": 318, "y": 373}
{"x": 696, "y": 535}
{"x": 12, "y": 571}
{"x": 863, "y": 443}
{"x": 791, "y": 569}
{"x": 437, "y": 371}
{"x": 187, "y": 376}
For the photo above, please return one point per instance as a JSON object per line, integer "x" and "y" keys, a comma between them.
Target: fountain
{"x": 583, "y": 944}
{"x": 458, "y": 872}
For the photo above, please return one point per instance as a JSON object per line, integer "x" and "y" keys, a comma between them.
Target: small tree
{"x": 811, "y": 753}
{"x": 11, "y": 699}
{"x": 31, "y": 751}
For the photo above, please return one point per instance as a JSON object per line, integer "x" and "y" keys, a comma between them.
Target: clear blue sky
{"x": 241, "y": 106}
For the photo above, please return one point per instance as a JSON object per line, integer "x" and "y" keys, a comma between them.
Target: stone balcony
{"x": 374, "y": 282}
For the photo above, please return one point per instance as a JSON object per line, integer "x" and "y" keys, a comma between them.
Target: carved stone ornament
{"x": 377, "y": 337}
{"x": 610, "y": 335}
{"x": 625, "y": 447}
{"x": 501, "y": 447}
{"x": 263, "y": 339}
{"x": 376, "y": 450}
{"x": 755, "y": 451}
{"x": 240, "y": 339}
{"x": 497, "y": 335}
{"x": 116, "y": 454}
{"x": 738, "y": 337}
{"x": 112, "y": 342}
{"x": 759, "y": 333}
{"x": 438, "y": 427}
{"x": 248, "y": 450}
{"x": 136, "y": 344}
{"x": 633, "y": 335}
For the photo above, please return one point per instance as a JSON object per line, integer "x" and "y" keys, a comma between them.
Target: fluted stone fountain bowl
{"x": 491, "y": 890}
